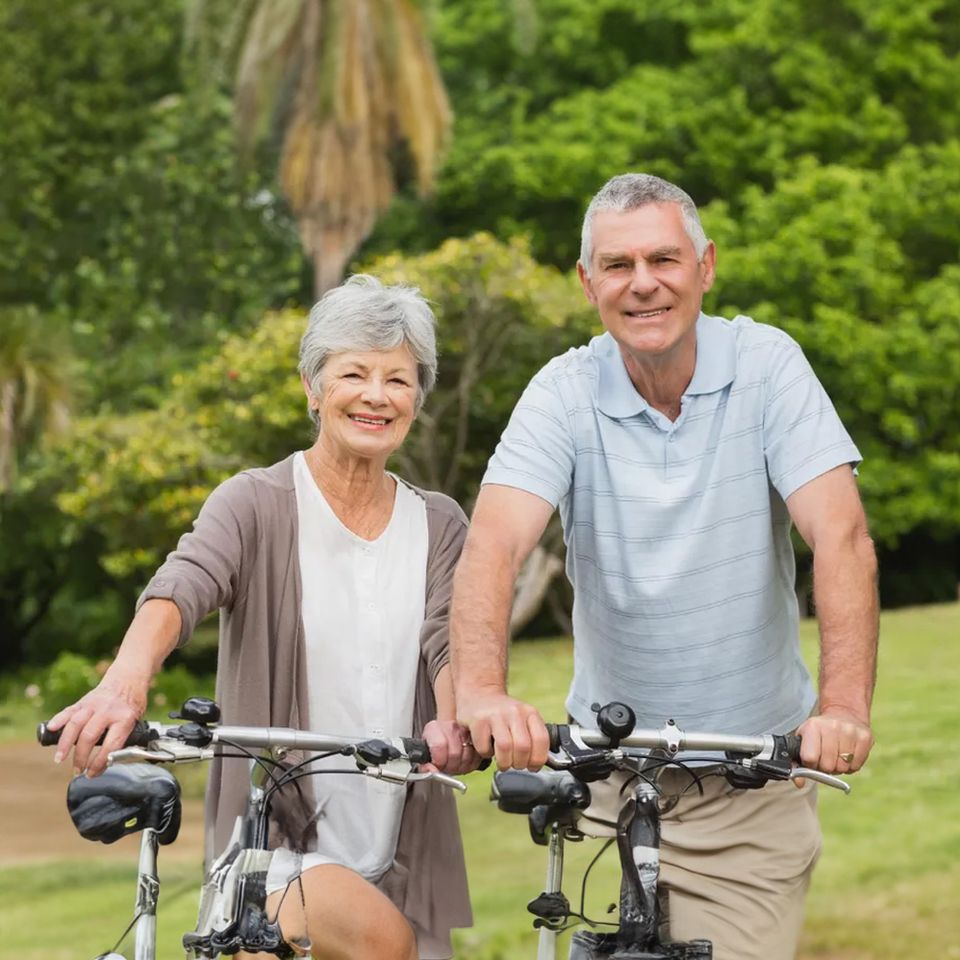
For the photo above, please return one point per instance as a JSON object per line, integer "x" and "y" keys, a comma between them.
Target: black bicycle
{"x": 135, "y": 794}
{"x": 554, "y": 800}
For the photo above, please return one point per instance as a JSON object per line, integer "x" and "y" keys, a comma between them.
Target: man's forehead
{"x": 651, "y": 226}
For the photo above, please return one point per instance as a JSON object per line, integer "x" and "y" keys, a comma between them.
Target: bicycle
{"x": 131, "y": 797}
{"x": 554, "y": 801}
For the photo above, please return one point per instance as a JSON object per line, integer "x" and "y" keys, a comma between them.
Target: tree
{"x": 34, "y": 386}
{"x": 354, "y": 93}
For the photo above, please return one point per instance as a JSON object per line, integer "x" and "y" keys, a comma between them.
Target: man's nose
{"x": 642, "y": 280}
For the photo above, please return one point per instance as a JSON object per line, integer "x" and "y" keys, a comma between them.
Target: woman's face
{"x": 367, "y": 401}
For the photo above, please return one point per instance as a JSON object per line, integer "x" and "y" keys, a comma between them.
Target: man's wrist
{"x": 860, "y": 713}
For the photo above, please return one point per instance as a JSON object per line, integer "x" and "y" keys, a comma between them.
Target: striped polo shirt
{"x": 677, "y": 534}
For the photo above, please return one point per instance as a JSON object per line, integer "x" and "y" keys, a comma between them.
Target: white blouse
{"x": 363, "y": 606}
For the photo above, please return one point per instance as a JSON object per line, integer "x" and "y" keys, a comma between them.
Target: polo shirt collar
{"x": 715, "y": 368}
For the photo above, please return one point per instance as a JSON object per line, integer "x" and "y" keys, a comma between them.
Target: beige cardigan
{"x": 241, "y": 557}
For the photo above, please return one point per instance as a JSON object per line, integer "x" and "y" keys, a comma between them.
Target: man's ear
{"x": 586, "y": 284}
{"x": 708, "y": 266}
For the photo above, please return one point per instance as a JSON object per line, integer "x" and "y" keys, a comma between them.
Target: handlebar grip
{"x": 553, "y": 732}
{"x": 791, "y": 742}
{"x": 416, "y": 750}
{"x": 140, "y": 735}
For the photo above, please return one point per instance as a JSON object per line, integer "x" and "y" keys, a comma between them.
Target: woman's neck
{"x": 359, "y": 491}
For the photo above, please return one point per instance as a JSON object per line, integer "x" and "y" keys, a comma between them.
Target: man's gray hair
{"x": 365, "y": 314}
{"x": 629, "y": 191}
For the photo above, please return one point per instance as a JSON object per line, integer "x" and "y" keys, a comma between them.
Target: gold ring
{"x": 848, "y": 757}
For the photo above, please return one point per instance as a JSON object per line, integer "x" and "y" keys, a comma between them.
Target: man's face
{"x": 645, "y": 279}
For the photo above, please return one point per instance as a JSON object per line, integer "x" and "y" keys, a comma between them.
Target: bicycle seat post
{"x": 547, "y": 943}
{"x": 148, "y": 894}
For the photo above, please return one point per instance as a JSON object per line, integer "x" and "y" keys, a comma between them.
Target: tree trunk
{"x": 328, "y": 269}
{"x": 8, "y": 450}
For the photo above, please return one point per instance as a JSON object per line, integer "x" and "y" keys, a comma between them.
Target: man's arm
{"x": 506, "y": 525}
{"x": 828, "y": 513}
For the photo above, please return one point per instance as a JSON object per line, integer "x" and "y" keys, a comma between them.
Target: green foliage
{"x": 67, "y": 679}
{"x": 123, "y": 214}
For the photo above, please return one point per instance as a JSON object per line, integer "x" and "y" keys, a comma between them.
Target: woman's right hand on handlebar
{"x": 110, "y": 709}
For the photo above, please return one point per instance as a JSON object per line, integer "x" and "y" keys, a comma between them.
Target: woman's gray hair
{"x": 365, "y": 314}
{"x": 629, "y": 191}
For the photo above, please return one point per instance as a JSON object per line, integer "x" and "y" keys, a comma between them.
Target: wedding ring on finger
{"x": 846, "y": 757}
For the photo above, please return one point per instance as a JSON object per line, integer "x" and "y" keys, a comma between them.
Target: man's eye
{"x": 351, "y": 376}
{"x": 400, "y": 381}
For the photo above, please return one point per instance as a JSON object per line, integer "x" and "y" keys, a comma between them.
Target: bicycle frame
{"x": 231, "y": 916}
{"x": 588, "y": 755}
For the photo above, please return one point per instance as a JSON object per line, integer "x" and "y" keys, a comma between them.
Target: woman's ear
{"x": 312, "y": 400}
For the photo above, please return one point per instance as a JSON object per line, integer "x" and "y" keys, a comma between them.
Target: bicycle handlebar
{"x": 179, "y": 743}
{"x": 770, "y": 755}
{"x": 673, "y": 740}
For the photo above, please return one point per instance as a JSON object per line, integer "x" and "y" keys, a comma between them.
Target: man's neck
{"x": 662, "y": 379}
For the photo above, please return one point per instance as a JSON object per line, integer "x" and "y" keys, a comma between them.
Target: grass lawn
{"x": 887, "y": 885}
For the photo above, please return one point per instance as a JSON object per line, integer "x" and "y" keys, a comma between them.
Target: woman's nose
{"x": 373, "y": 390}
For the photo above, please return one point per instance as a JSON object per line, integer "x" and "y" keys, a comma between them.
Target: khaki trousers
{"x": 735, "y": 865}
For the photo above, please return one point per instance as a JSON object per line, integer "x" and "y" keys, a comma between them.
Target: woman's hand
{"x": 110, "y": 709}
{"x": 450, "y": 747}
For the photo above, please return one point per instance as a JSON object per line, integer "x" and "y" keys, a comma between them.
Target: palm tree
{"x": 34, "y": 385}
{"x": 347, "y": 86}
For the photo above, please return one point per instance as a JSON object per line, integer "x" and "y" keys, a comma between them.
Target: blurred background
{"x": 180, "y": 179}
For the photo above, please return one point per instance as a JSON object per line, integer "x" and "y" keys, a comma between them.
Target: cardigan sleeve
{"x": 203, "y": 573}
{"x": 447, "y": 530}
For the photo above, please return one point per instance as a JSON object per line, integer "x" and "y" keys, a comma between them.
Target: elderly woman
{"x": 333, "y": 581}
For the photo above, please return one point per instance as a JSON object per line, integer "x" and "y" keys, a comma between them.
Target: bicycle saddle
{"x": 520, "y": 791}
{"x": 123, "y": 800}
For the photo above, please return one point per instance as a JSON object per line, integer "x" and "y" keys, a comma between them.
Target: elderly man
{"x": 679, "y": 447}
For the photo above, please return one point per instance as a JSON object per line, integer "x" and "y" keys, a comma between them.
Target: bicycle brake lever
{"x": 172, "y": 754}
{"x": 825, "y": 778}
{"x": 443, "y": 778}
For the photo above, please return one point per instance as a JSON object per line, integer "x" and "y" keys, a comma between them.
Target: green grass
{"x": 886, "y": 886}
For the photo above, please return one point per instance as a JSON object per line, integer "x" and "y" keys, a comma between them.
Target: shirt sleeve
{"x": 536, "y": 452}
{"x": 203, "y": 573}
{"x": 446, "y": 531}
{"x": 803, "y": 436}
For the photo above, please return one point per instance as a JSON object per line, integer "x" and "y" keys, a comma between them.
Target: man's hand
{"x": 835, "y": 741}
{"x": 506, "y": 728}
{"x": 450, "y": 748}
{"x": 109, "y": 708}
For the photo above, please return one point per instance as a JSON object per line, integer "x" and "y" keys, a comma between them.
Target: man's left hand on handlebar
{"x": 510, "y": 730}
{"x": 835, "y": 741}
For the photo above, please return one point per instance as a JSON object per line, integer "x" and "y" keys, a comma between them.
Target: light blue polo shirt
{"x": 678, "y": 537}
